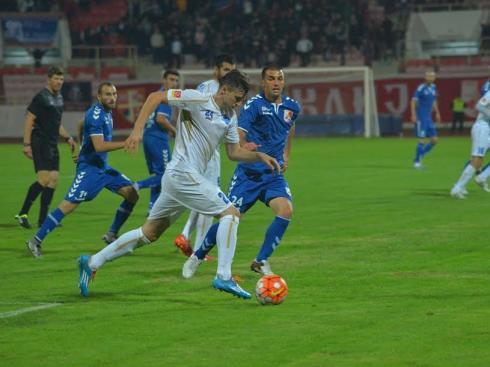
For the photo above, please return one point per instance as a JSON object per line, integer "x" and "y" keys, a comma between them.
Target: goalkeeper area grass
{"x": 384, "y": 268}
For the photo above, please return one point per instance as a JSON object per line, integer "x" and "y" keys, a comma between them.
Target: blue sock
{"x": 152, "y": 181}
{"x": 50, "y": 223}
{"x": 122, "y": 214}
{"x": 427, "y": 148}
{"x": 419, "y": 152}
{"x": 208, "y": 243}
{"x": 273, "y": 237}
{"x": 154, "y": 193}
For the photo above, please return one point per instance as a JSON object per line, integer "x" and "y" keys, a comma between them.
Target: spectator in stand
{"x": 157, "y": 43}
{"x": 304, "y": 46}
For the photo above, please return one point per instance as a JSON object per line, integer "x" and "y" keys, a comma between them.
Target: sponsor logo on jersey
{"x": 288, "y": 115}
{"x": 266, "y": 111}
{"x": 177, "y": 93}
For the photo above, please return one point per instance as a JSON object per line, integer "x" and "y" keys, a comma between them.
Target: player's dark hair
{"x": 55, "y": 70}
{"x": 235, "y": 80}
{"x": 170, "y": 72}
{"x": 221, "y": 59}
{"x": 102, "y": 85}
{"x": 270, "y": 67}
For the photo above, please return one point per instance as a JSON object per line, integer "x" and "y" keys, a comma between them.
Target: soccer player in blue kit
{"x": 93, "y": 172}
{"x": 266, "y": 124}
{"x": 155, "y": 140}
{"x": 424, "y": 101}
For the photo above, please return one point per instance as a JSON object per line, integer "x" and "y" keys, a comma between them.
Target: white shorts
{"x": 480, "y": 135}
{"x": 213, "y": 171}
{"x": 186, "y": 190}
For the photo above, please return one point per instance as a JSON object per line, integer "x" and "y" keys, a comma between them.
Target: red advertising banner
{"x": 393, "y": 97}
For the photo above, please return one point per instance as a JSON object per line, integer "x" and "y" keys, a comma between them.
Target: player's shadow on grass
{"x": 432, "y": 192}
{"x": 8, "y": 225}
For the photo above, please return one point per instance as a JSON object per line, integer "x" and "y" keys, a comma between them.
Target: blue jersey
{"x": 97, "y": 122}
{"x": 268, "y": 124}
{"x": 152, "y": 128}
{"x": 425, "y": 95}
{"x": 485, "y": 88}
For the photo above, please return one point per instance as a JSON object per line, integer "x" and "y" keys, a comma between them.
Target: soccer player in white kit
{"x": 480, "y": 133}
{"x": 203, "y": 122}
{"x": 223, "y": 65}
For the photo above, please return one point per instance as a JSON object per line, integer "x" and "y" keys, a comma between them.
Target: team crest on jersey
{"x": 288, "y": 115}
{"x": 176, "y": 93}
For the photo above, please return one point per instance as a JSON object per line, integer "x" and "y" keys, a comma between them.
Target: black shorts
{"x": 45, "y": 155}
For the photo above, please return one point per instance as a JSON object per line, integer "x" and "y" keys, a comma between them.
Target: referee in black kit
{"x": 42, "y": 127}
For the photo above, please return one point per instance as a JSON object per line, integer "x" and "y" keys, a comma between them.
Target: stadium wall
{"x": 325, "y": 105}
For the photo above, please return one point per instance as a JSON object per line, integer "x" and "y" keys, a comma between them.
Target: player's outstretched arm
{"x": 105, "y": 146}
{"x": 28, "y": 124}
{"x": 236, "y": 153}
{"x": 151, "y": 103}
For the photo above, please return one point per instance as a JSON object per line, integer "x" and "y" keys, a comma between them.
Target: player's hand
{"x": 285, "y": 164}
{"x": 72, "y": 144}
{"x": 438, "y": 117}
{"x": 251, "y": 146}
{"x": 27, "y": 150}
{"x": 132, "y": 142}
{"x": 270, "y": 162}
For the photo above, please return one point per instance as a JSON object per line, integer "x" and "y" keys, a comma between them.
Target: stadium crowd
{"x": 256, "y": 31}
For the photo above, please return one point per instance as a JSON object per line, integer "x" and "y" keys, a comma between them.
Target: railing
{"x": 98, "y": 56}
{"x": 449, "y": 6}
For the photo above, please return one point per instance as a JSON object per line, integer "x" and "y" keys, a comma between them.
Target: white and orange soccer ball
{"x": 271, "y": 290}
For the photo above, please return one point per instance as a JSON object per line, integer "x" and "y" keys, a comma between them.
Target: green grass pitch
{"x": 383, "y": 267}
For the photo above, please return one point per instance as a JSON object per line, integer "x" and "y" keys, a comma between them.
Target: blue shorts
{"x": 90, "y": 180}
{"x": 157, "y": 154}
{"x": 425, "y": 129}
{"x": 246, "y": 187}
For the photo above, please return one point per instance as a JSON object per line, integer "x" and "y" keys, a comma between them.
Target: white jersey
{"x": 213, "y": 173}
{"x": 201, "y": 127}
{"x": 483, "y": 107}
{"x": 208, "y": 87}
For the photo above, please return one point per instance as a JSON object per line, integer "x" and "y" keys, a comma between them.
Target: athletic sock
{"x": 123, "y": 245}
{"x": 51, "y": 222}
{"x": 152, "y": 181}
{"x": 203, "y": 223}
{"x": 419, "y": 152}
{"x": 226, "y": 240}
{"x": 154, "y": 193}
{"x": 32, "y": 193}
{"x": 122, "y": 214}
{"x": 273, "y": 237}
{"x": 466, "y": 176}
{"x": 190, "y": 224}
{"x": 427, "y": 148}
{"x": 208, "y": 243}
{"x": 46, "y": 198}
{"x": 484, "y": 173}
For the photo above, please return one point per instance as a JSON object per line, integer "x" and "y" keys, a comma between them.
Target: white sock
{"x": 483, "y": 176}
{"x": 226, "y": 239}
{"x": 202, "y": 227}
{"x": 466, "y": 176}
{"x": 123, "y": 245}
{"x": 190, "y": 224}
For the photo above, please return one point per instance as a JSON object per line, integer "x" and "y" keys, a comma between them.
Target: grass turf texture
{"x": 383, "y": 268}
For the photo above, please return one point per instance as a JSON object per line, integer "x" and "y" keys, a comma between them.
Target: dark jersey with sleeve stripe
{"x": 48, "y": 108}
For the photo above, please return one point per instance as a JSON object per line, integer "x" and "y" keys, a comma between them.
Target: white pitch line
{"x": 44, "y": 306}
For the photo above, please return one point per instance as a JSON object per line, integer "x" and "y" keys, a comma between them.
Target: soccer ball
{"x": 271, "y": 290}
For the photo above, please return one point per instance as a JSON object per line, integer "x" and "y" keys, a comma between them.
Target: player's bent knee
{"x": 130, "y": 194}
